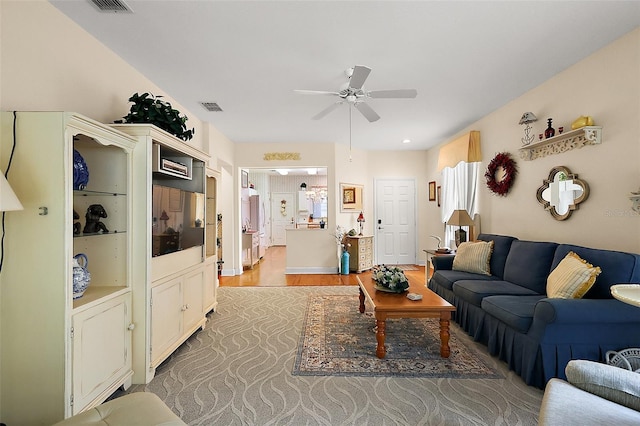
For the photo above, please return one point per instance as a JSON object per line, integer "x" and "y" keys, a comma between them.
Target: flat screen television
{"x": 178, "y": 219}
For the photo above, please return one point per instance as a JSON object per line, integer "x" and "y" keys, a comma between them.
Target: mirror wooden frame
{"x": 546, "y": 184}
{"x": 351, "y": 197}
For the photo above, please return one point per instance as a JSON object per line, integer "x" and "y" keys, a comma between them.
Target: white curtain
{"x": 459, "y": 191}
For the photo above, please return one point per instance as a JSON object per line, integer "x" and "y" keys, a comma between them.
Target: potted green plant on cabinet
{"x": 148, "y": 108}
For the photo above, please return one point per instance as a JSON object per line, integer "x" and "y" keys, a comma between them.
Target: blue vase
{"x": 345, "y": 263}
{"x": 80, "y": 172}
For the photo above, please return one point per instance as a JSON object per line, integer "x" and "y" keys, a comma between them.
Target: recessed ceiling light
{"x": 406, "y": 141}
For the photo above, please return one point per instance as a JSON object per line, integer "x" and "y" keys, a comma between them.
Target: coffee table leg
{"x": 381, "y": 351}
{"x": 361, "y": 301}
{"x": 444, "y": 335}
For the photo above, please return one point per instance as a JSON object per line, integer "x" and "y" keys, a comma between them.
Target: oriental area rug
{"x": 338, "y": 340}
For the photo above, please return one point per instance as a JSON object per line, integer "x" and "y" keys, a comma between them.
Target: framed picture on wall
{"x": 438, "y": 195}
{"x": 349, "y": 196}
{"x": 432, "y": 190}
{"x": 245, "y": 179}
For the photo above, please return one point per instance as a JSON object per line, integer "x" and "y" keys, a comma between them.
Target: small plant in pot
{"x": 150, "y": 109}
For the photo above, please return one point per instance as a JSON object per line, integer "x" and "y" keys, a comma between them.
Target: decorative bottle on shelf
{"x": 550, "y": 131}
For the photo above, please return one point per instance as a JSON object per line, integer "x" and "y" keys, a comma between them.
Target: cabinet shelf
{"x": 85, "y": 193}
{"x": 588, "y": 135}
{"x": 97, "y": 294}
{"x": 98, "y": 234}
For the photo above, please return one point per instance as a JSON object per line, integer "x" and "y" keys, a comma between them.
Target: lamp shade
{"x": 360, "y": 217}
{"x": 460, "y": 218}
{"x": 528, "y": 117}
{"x": 8, "y": 199}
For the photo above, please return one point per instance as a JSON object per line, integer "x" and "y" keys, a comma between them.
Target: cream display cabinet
{"x": 360, "y": 253}
{"x": 172, "y": 287}
{"x": 61, "y": 355}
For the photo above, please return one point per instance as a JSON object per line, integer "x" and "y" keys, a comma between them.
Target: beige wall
{"x": 49, "y": 63}
{"x": 606, "y": 86}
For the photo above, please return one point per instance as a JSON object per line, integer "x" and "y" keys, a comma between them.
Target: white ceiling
{"x": 466, "y": 59}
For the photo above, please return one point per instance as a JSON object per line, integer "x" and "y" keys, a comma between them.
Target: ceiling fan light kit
{"x": 354, "y": 94}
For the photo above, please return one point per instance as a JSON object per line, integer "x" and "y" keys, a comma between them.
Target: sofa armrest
{"x": 444, "y": 263}
{"x": 606, "y": 381}
{"x": 567, "y": 405}
{"x": 581, "y": 311}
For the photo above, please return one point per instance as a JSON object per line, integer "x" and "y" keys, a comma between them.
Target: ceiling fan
{"x": 353, "y": 93}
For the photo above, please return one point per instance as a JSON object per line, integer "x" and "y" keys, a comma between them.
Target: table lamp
{"x": 460, "y": 218}
{"x": 8, "y": 199}
{"x": 360, "y": 221}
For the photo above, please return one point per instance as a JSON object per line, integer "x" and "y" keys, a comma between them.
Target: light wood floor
{"x": 269, "y": 272}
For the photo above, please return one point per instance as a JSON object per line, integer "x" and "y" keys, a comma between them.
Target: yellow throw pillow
{"x": 572, "y": 278}
{"x": 473, "y": 257}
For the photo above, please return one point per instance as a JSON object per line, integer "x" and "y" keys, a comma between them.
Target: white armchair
{"x": 593, "y": 394}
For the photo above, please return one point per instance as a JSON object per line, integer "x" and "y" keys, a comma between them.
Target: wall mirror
{"x": 351, "y": 197}
{"x": 562, "y": 192}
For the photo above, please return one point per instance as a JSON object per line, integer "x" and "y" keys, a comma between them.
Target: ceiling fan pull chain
{"x": 350, "y": 108}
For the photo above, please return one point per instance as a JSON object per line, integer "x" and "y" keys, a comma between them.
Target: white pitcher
{"x": 81, "y": 276}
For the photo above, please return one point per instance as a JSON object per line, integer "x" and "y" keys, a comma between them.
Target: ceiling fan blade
{"x": 400, "y": 93}
{"x": 367, "y": 111}
{"x": 360, "y": 74}
{"x": 326, "y": 111}
{"x": 316, "y": 92}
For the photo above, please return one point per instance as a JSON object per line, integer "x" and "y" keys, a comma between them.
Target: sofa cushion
{"x": 501, "y": 246}
{"x": 473, "y": 257}
{"x": 617, "y": 267}
{"x": 571, "y": 278}
{"x": 446, "y": 278}
{"x": 529, "y": 263}
{"x": 473, "y": 291}
{"x": 515, "y": 311}
{"x": 609, "y": 382}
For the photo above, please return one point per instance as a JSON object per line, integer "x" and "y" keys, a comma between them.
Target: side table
{"x": 430, "y": 253}
{"x": 628, "y": 359}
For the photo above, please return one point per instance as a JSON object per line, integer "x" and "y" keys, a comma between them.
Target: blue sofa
{"x": 537, "y": 336}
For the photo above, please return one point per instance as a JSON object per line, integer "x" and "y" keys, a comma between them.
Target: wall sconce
{"x": 527, "y": 118}
{"x": 460, "y": 218}
{"x": 360, "y": 221}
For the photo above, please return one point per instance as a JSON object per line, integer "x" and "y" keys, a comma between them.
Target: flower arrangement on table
{"x": 389, "y": 278}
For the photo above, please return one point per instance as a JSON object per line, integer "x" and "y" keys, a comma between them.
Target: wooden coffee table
{"x": 393, "y": 305}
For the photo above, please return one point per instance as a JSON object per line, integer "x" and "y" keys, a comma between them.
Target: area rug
{"x": 407, "y": 267}
{"x": 338, "y": 340}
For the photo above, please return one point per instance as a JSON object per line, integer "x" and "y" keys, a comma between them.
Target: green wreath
{"x": 501, "y": 160}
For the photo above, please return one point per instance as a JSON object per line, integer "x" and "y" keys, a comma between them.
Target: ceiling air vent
{"x": 211, "y": 106}
{"x": 112, "y": 6}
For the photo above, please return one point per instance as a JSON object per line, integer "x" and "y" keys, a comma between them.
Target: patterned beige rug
{"x": 338, "y": 340}
{"x": 407, "y": 267}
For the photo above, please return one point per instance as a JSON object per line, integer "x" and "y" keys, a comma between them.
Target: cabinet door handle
{"x": 184, "y": 308}
{"x": 131, "y": 326}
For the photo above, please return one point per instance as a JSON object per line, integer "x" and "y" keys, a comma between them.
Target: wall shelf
{"x": 635, "y": 199}
{"x": 588, "y": 135}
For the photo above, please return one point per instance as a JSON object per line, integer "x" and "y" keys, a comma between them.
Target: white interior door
{"x": 395, "y": 221}
{"x": 283, "y": 212}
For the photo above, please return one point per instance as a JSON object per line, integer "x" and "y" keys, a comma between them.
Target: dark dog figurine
{"x": 93, "y": 224}
{"x": 76, "y": 225}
